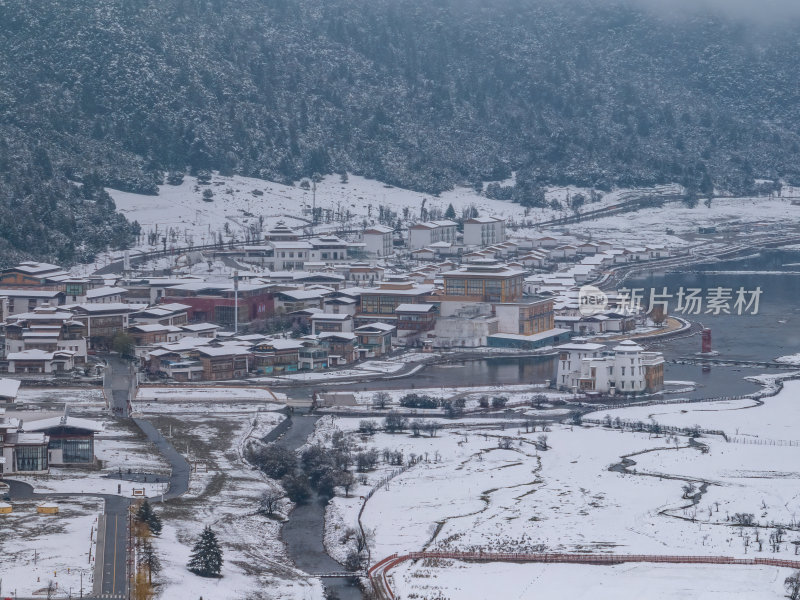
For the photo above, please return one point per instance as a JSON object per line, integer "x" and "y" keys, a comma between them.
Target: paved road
{"x": 119, "y": 384}
{"x": 114, "y": 580}
{"x": 179, "y": 477}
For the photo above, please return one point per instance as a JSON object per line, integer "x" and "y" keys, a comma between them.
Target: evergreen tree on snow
{"x": 450, "y": 213}
{"x": 146, "y": 514}
{"x": 206, "y": 557}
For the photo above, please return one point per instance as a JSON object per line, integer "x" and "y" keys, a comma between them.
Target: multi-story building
{"x": 525, "y": 318}
{"x": 415, "y": 318}
{"x": 276, "y": 356}
{"x": 484, "y": 231}
{"x": 104, "y": 321}
{"x": 216, "y": 302}
{"x": 430, "y": 232}
{"x": 223, "y": 362}
{"x": 374, "y": 339}
{"x": 16, "y": 301}
{"x": 484, "y": 282}
{"x": 48, "y": 329}
{"x": 378, "y": 240}
{"x": 626, "y": 369}
{"x": 338, "y": 322}
{"x": 379, "y": 304}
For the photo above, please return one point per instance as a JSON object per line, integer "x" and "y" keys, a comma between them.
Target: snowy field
{"x": 37, "y": 549}
{"x": 649, "y": 227}
{"x": 470, "y": 491}
{"x": 777, "y": 419}
{"x": 467, "y": 581}
{"x": 224, "y": 493}
{"x": 182, "y": 209}
{"x": 205, "y": 394}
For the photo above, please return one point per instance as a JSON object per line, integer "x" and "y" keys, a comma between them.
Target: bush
{"x": 274, "y": 460}
{"x": 395, "y": 422}
{"x": 418, "y": 401}
{"x": 297, "y": 488}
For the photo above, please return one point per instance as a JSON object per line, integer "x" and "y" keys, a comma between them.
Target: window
{"x": 77, "y": 451}
{"x": 474, "y": 287}
{"x": 455, "y": 287}
{"x": 31, "y": 458}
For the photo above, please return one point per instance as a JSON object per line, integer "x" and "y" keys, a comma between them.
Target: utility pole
{"x": 236, "y": 302}
{"x": 313, "y": 200}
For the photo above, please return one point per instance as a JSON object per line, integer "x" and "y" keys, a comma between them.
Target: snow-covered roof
{"x": 414, "y": 308}
{"x": 102, "y": 292}
{"x": 377, "y": 325}
{"x": 336, "y": 334}
{"x": 36, "y": 354}
{"x": 378, "y": 229}
{"x": 9, "y": 388}
{"x": 223, "y": 351}
{"x": 29, "y": 293}
{"x": 330, "y": 317}
{"x": 67, "y": 421}
{"x": 200, "y": 327}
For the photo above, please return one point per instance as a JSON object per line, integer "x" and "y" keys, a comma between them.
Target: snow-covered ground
{"x": 224, "y": 494}
{"x": 649, "y": 227}
{"x": 205, "y": 394}
{"x": 37, "y": 549}
{"x": 237, "y": 204}
{"x": 471, "y": 581}
{"x": 777, "y": 419}
{"x": 470, "y": 493}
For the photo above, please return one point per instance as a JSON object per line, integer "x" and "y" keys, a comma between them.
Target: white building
{"x": 484, "y": 231}
{"x": 378, "y": 240}
{"x": 421, "y": 235}
{"x": 626, "y": 369}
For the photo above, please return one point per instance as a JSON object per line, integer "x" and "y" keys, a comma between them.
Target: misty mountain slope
{"x": 418, "y": 93}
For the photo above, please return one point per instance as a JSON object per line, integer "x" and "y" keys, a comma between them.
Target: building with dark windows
{"x": 71, "y": 440}
{"x": 484, "y": 282}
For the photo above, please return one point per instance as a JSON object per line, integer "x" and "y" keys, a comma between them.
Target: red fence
{"x": 378, "y": 571}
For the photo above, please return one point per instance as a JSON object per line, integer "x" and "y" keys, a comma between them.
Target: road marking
{"x": 114, "y": 576}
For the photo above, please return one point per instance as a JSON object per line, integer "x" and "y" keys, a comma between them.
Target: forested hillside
{"x": 419, "y": 93}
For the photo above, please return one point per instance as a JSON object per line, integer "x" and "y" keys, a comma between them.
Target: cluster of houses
{"x": 332, "y": 302}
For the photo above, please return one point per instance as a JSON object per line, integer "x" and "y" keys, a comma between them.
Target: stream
{"x": 303, "y": 533}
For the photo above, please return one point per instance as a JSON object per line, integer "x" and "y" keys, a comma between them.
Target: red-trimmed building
{"x": 215, "y": 302}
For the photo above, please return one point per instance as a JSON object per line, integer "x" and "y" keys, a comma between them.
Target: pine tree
{"x": 150, "y": 559}
{"x": 450, "y": 213}
{"x": 206, "y": 557}
{"x": 146, "y": 514}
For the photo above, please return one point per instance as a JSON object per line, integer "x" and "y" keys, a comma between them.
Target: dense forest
{"x": 424, "y": 94}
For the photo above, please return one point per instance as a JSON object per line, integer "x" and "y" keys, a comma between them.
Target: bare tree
{"x": 367, "y": 427}
{"x": 432, "y": 428}
{"x": 394, "y": 422}
{"x": 689, "y": 490}
{"x": 792, "y": 585}
{"x": 381, "y": 399}
{"x": 542, "y": 439}
{"x": 269, "y": 502}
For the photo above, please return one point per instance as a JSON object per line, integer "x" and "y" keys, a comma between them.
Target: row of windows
{"x": 31, "y": 458}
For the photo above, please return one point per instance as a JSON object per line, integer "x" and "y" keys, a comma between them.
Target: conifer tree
{"x": 206, "y": 557}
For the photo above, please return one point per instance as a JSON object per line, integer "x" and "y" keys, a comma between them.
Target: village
{"x": 310, "y": 340}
